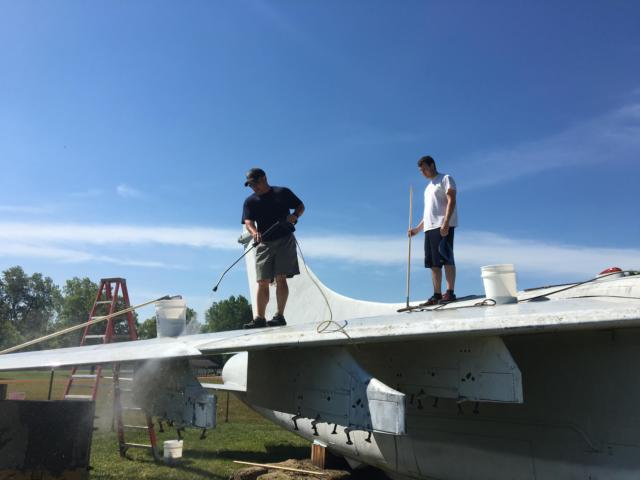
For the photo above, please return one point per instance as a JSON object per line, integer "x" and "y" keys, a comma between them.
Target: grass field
{"x": 246, "y": 436}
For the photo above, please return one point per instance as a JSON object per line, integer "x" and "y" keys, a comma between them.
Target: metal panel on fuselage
{"x": 579, "y": 418}
{"x": 326, "y": 385}
{"x": 473, "y": 368}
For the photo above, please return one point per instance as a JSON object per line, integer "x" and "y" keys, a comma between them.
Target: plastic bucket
{"x": 172, "y": 450}
{"x": 500, "y": 283}
{"x": 171, "y": 317}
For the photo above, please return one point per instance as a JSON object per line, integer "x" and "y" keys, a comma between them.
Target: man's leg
{"x": 286, "y": 264}
{"x": 450, "y": 276}
{"x": 446, "y": 249}
{"x": 263, "y": 297}
{"x": 282, "y": 292}
{"x": 436, "y": 277}
{"x": 264, "y": 273}
{"x": 431, "y": 261}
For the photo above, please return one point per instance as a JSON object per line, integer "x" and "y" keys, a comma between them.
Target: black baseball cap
{"x": 253, "y": 175}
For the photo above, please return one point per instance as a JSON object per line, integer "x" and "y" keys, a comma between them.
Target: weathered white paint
{"x": 308, "y": 298}
{"x": 328, "y": 386}
{"x": 578, "y": 419}
{"x": 596, "y": 311}
{"x": 556, "y": 315}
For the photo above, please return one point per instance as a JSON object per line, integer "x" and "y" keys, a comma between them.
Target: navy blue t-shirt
{"x": 269, "y": 208}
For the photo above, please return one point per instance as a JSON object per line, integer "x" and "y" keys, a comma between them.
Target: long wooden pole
{"x": 410, "y": 236}
{"x": 82, "y": 325}
{"x": 278, "y": 467}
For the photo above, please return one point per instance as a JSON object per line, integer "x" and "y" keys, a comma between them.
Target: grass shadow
{"x": 368, "y": 473}
{"x": 274, "y": 453}
{"x": 185, "y": 465}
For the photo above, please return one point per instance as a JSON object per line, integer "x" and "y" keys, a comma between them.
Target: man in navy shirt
{"x": 267, "y": 215}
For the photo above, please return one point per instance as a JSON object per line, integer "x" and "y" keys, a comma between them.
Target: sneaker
{"x": 434, "y": 300}
{"x": 277, "y": 321}
{"x": 449, "y": 297}
{"x": 257, "y": 322}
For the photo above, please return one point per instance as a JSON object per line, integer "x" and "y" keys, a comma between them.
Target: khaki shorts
{"x": 277, "y": 257}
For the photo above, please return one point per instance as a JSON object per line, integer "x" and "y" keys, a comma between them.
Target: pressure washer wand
{"x": 254, "y": 245}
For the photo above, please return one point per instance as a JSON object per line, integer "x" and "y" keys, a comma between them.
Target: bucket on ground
{"x": 172, "y": 450}
{"x": 500, "y": 283}
{"x": 171, "y": 317}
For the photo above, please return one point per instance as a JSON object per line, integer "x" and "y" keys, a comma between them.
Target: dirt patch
{"x": 263, "y": 473}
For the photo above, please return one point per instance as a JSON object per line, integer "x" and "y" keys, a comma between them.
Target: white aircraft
{"x": 544, "y": 388}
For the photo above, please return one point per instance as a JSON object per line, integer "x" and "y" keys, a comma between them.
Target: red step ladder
{"x": 112, "y": 297}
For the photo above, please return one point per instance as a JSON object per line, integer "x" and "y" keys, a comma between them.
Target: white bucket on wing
{"x": 500, "y": 283}
{"x": 172, "y": 450}
{"x": 171, "y": 317}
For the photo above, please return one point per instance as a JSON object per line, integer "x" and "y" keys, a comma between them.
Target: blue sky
{"x": 126, "y": 129}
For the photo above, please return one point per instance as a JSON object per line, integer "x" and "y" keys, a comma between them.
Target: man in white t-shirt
{"x": 439, "y": 222}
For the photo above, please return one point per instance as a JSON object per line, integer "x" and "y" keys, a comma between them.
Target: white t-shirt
{"x": 435, "y": 202}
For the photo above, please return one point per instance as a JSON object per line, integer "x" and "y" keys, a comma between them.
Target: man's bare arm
{"x": 451, "y": 205}
{"x": 253, "y": 230}
{"x": 414, "y": 231}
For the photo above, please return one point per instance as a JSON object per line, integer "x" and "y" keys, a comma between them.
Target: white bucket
{"x": 500, "y": 283}
{"x": 172, "y": 450}
{"x": 171, "y": 317}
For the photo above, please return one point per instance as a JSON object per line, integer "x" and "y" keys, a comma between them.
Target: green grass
{"x": 246, "y": 436}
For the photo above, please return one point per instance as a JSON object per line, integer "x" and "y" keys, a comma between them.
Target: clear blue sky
{"x": 126, "y": 129}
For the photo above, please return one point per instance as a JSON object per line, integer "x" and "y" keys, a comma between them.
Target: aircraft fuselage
{"x": 578, "y": 419}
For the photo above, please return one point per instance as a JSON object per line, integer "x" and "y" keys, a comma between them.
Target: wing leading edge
{"x": 566, "y": 314}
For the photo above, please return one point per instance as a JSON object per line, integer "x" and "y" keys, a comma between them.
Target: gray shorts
{"x": 277, "y": 257}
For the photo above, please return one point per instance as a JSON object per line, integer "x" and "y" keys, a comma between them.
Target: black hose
{"x": 254, "y": 245}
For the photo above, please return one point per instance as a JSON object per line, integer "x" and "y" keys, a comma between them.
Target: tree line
{"x": 32, "y": 306}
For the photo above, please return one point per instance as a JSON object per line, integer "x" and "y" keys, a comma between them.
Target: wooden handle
{"x": 410, "y": 236}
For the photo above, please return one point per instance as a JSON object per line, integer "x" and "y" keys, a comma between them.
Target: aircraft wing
{"x": 525, "y": 317}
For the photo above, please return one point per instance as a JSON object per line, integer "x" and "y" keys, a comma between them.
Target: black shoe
{"x": 449, "y": 297}
{"x": 277, "y": 321}
{"x": 434, "y": 300}
{"x": 257, "y": 322}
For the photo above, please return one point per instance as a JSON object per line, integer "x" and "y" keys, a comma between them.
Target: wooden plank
{"x": 276, "y": 467}
{"x": 318, "y": 455}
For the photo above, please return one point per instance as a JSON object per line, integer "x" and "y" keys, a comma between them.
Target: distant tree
{"x": 147, "y": 329}
{"x": 28, "y": 304}
{"x": 78, "y": 295}
{"x": 9, "y": 334}
{"x": 229, "y": 314}
{"x": 121, "y": 326}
